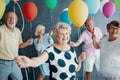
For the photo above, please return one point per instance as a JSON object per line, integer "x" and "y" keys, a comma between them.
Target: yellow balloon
{"x": 2, "y": 7}
{"x": 78, "y": 12}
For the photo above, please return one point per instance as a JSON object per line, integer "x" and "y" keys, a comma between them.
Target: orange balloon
{"x": 78, "y": 12}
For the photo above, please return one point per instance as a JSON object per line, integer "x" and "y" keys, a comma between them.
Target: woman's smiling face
{"x": 63, "y": 36}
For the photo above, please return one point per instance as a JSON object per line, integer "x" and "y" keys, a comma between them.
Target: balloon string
{"x": 107, "y": 20}
{"x": 1, "y": 23}
{"x": 50, "y": 18}
{"x": 83, "y": 71}
{"x": 31, "y": 29}
{"x": 93, "y": 70}
{"x": 105, "y": 27}
{"x": 79, "y": 32}
{"x": 14, "y": 12}
{"x": 14, "y": 22}
{"x": 76, "y": 78}
{"x": 26, "y": 73}
{"x": 93, "y": 75}
{"x": 70, "y": 36}
{"x": 93, "y": 19}
{"x": 22, "y": 16}
{"x": 30, "y": 49}
{"x": 30, "y": 37}
{"x": 33, "y": 74}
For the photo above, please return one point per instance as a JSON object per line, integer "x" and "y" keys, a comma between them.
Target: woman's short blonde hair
{"x": 38, "y": 28}
{"x": 60, "y": 26}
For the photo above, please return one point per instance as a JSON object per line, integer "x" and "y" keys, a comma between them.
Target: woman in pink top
{"x": 92, "y": 54}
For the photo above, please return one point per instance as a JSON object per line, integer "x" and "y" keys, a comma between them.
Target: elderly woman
{"x": 61, "y": 56}
{"x": 110, "y": 52}
{"x": 10, "y": 42}
{"x": 42, "y": 41}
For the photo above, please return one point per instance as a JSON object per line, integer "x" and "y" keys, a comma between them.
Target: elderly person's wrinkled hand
{"x": 23, "y": 61}
{"x": 93, "y": 37}
{"x": 82, "y": 56}
{"x": 80, "y": 59}
{"x": 72, "y": 44}
{"x": 51, "y": 33}
{"x": 30, "y": 41}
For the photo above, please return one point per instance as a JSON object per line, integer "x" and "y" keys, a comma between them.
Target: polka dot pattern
{"x": 67, "y": 56}
{"x": 51, "y": 55}
{"x": 62, "y": 63}
{"x": 54, "y": 69}
{"x": 72, "y": 49}
{"x": 63, "y": 75}
{"x": 53, "y": 79}
{"x": 72, "y": 78}
{"x": 57, "y": 51}
{"x": 76, "y": 60}
{"x": 72, "y": 68}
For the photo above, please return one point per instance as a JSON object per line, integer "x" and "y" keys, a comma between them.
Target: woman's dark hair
{"x": 113, "y": 23}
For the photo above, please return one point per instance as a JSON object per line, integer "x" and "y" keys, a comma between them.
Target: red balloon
{"x": 30, "y": 11}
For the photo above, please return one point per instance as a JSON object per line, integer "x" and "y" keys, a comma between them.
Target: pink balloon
{"x": 102, "y": 4}
{"x": 108, "y": 9}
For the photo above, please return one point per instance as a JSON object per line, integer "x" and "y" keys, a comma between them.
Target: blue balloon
{"x": 7, "y": 2}
{"x": 93, "y": 6}
{"x": 64, "y": 17}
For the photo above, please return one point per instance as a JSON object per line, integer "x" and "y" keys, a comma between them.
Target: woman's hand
{"x": 72, "y": 44}
{"x": 23, "y": 61}
{"x": 82, "y": 57}
{"x": 30, "y": 41}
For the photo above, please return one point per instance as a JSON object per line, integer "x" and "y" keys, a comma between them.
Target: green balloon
{"x": 51, "y": 4}
{"x": 117, "y": 3}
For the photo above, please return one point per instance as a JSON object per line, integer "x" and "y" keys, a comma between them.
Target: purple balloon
{"x": 108, "y": 9}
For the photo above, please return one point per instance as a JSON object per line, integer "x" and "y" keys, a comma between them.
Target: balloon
{"x": 108, "y": 9}
{"x": 78, "y": 12}
{"x": 2, "y": 7}
{"x": 66, "y": 9}
{"x": 93, "y": 6}
{"x": 117, "y": 3}
{"x": 30, "y": 11}
{"x": 51, "y": 4}
{"x": 7, "y": 2}
{"x": 64, "y": 18}
{"x": 102, "y": 4}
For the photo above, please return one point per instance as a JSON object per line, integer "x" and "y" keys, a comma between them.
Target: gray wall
{"x": 49, "y": 19}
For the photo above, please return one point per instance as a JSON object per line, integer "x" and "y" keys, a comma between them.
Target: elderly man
{"x": 10, "y": 42}
{"x": 92, "y": 54}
